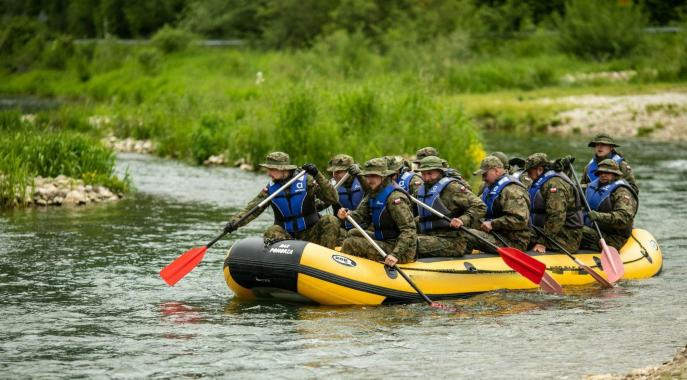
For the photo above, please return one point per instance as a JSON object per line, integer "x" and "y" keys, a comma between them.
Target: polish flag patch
{"x": 397, "y": 201}
{"x": 553, "y": 190}
{"x": 264, "y": 190}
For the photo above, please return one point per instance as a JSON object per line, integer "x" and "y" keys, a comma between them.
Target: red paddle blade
{"x": 183, "y": 264}
{"x": 443, "y": 307}
{"x": 519, "y": 261}
{"x": 549, "y": 285}
{"x": 611, "y": 262}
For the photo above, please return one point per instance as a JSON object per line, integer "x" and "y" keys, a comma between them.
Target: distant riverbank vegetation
{"x": 315, "y": 78}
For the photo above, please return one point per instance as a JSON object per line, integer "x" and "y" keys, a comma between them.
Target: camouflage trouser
{"x": 515, "y": 239}
{"x": 325, "y": 232}
{"x": 569, "y": 238}
{"x": 590, "y": 240}
{"x": 443, "y": 245}
{"x": 359, "y": 246}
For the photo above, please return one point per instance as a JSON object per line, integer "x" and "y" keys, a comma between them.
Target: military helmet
{"x": 376, "y": 166}
{"x": 425, "y": 152}
{"x": 608, "y": 166}
{"x": 279, "y": 161}
{"x": 431, "y": 163}
{"x": 489, "y": 162}
{"x": 537, "y": 159}
{"x": 340, "y": 162}
{"x": 602, "y": 138}
{"x": 501, "y": 156}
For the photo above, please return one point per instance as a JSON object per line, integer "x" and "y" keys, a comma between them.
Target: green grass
{"x": 49, "y": 149}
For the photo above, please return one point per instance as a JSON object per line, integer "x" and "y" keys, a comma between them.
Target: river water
{"x": 80, "y": 295}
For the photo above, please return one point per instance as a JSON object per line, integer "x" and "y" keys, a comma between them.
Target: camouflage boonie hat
{"x": 431, "y": 163}
{"x": 501, "y": 156}
{"x": 279, "y": 161}
{"x": 489, "y": 162}
{"x": 608, "y": 166}
{"x": 340, "y": 162}
{"x": 376, "y": 166}
{"x": 535, "y": 160}
{"x": 602, "y": 138}
{"x": 425, "y": 152}
{"x": 396, "y": 163}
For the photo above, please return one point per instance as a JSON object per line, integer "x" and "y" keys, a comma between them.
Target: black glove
{"x": 567, "y": 160}
{"x": 353, "y": 170}
{"x": 310, "y": 169}
{"x": 230, "y": 227}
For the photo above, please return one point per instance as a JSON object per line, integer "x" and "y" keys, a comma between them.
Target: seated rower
{"x": 295, "y": 212}
{"x": 604, "y": 148}
{"x": 446, "y": 195}
{"x": 508, "y": 212}
{"x": 389, "y": 212}
{"x": 555, "y": 205}
{"x": 448, "y": 170}
{"x": 403, "y": 174}
{"x": 614, "y": 205}
{"x": 350, "y": 192}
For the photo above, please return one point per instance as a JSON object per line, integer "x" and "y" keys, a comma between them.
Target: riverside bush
{"x": 600, "y": 29}
{"x": 170, "y": 40}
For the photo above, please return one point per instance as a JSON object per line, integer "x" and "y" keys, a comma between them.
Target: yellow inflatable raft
{"x": 301, "y": 271}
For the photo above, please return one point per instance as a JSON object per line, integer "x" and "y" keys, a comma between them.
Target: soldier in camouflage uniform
{"x": 448, "y": 171}
{"x": 403, "y": 174}
{"x": 507, "y": 202}
{"x": 555, "y": 205}
{"x": 388, "y": 210}
{"x": 446, "y": 195}
{"x": 514, "y": 171}
{"x": 295, "y": 210}
{"x": 604, "y": 148}
{"x": 614, "y": 205}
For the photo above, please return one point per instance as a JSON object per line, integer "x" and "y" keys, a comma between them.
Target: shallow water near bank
{"x": 80, "y": 294}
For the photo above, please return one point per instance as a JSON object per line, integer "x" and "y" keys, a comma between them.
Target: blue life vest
{"x": 293, "y": 208}
{"x": 599, "y": 198}
{"x": 350, "y": 198}
{"x": 429, "y": 221}
{"x": 384, "y": 225}
{"x": 404, "y": 180}
{"x": 492, "y": 192}
{"x": 573, "y": 217}
{"x": 593, "y": 165}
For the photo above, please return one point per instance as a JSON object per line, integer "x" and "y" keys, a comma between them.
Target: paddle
{"x": 586, "y": 268}
{"x": 529, "y": 267}
{"x": 185, "y": 263}
{"x": 405, "y": 276}
{"x": 611, "y": 262}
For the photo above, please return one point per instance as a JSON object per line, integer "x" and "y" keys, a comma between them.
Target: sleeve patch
{"x": 463, "y": 188}
{"x": 553, "y": 190}
{"x": 397, "y": 201}
{"x": 264, "y": 190}
{"x": 626, "y": 196}
{"x": 418, "y": 183}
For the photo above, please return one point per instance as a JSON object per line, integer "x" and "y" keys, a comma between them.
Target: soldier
{"x": 604, "y": 147}
{"x": 389, "y": 212}
{"x": 511, "y": 169}
{"x": 555, "y": 206}
{"x": 507, "y": 204}
{"x": 446, "y": 195}
{"x": 614, "y": 205}
{"x": 350, "y": 192}
{"x": 403, "y": 174}
{"x": 295, "y": 212}
{"x": 449, "y": 171}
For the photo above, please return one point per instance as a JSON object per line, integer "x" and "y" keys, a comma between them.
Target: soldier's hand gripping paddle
{"x": 611, "y": 261}
{"x": 529, "y": 267}
{"x": 185, "y": 263}
{"x": 401, "y": 272}
{"x": 579, "y": 263}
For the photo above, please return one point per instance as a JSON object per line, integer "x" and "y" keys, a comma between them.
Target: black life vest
{"x": 573, "y": 216}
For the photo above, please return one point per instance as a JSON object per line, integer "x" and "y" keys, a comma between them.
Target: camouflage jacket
{"x": 559, "y": 197}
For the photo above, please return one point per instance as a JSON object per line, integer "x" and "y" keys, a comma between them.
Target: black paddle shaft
{"x": 552, "y": 241}
{"x": 584, "y": 199}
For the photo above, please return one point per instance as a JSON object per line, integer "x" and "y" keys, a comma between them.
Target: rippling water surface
{"x": 80, "y": 295}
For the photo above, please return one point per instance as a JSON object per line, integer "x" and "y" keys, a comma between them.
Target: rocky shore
{"x": 67, "y": 191}
{"x": 673, "y": 369}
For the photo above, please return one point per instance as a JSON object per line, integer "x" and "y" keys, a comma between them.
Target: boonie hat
{"x": 376, "y": 166}
{"x": 431, "y": 163}
{"x": 489, "y": 162}
{"x": 602, "y": 138}
{"x": 279, "y": 161}
{"x": 425, "y": 152}
{"x": 340, "y": 162}
{"x": 608, "y": 166}
{"x": 537, "y": 159}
